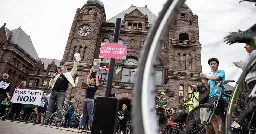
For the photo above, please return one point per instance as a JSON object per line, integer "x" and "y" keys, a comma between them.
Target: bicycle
{"x": 239, "y": 97}
{"x": 144, "y": 118}
{"x": 197, "y": 126}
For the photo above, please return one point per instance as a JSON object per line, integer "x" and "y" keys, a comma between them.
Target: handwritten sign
{"x": 4, "y": 85}
{"x": 96, "y": 64}
{"x": 113, "y": 50}
{"x": 27, "y": 96}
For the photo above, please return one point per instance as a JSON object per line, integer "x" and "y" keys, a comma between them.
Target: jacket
{"x": 68, "y": 75}
{"x": 252, "y": 73}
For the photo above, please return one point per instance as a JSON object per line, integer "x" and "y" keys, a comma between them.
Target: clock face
{"x": 84, "y": 30}
{"x": 131, "y": 62}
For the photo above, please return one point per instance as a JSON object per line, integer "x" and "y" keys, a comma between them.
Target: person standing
{"x": 16, "y": 107}
{"x": 68, "y": 116}
{"x": 41, "y": 109}
{"x": 123, "y": 116}
{"x": 59, "y": 85}
{"x": 4, "y": 92}
{"x": 88, "y": 106}
{"x": 215, "y": 91}
{"x": 28, "y": 109}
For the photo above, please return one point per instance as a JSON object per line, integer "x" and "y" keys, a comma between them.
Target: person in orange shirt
{"x": 169, "y": 115}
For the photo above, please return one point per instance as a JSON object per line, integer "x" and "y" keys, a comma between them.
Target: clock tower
{"x": 83, "y": 39}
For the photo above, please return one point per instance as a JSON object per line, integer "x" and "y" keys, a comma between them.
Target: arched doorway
{"x": 127, "y": 102}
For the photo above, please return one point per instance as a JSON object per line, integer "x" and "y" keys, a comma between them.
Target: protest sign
{"x": 27, "y": 96}
{"x": 113, "y": 50}
{"x": 4, "y": 85}
{"x": 96, "y": 65}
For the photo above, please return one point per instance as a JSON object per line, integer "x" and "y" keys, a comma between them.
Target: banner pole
{"x": 112, "y": 60}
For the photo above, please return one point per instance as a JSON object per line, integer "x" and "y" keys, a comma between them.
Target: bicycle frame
{"x": 248, "y": 67}
{"x": 215, "y": 105}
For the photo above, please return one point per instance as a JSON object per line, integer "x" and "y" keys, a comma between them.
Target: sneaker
{"x": 44, "y": 123}
{"x": 235, "y": 125}
{"x": 58, "y": 124}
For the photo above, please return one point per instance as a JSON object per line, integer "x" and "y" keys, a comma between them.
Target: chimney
{"x": 146, "y": 6}
{"x": 4, "y": 24}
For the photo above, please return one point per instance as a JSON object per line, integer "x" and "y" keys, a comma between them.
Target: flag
{"x": 134, "y": 70}
{"x": 118, "y": 69}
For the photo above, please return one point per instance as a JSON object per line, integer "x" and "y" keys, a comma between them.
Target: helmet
{"x": 162, "y": 93}
{"x": 213, "y": 59}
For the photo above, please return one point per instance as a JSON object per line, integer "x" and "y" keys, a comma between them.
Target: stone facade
{"x": 19, "y": 59}
{"x": 180, "y": 56}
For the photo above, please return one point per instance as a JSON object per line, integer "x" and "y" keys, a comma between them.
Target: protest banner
{"x": 27, "y": 96}
{"x": 113, "y": 50}
{"x": 96, "y": 65}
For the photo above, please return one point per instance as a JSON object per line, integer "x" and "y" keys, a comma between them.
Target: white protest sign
{"x": 4, "y": 85}
{"x": 27, "y": 96}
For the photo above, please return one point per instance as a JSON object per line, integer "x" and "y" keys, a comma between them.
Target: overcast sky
{"x": 48, "y": 23}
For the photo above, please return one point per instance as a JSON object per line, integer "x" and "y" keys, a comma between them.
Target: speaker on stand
{"x": 105, "y": 116}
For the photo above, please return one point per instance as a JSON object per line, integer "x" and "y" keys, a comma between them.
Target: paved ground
{"x": 7, "y": 127}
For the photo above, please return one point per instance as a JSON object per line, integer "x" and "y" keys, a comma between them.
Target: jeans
{"x": 67, "y": 120}
{"x": 88, "y": 110}
{"x": 55, "y": 98}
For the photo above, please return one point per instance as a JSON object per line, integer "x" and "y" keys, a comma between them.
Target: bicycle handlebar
{"x": 224, "y": 82}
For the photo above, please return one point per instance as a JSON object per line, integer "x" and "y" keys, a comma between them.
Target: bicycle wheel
{"x": 194, "y": 122}
{"x": 238, "y": 91}
{"x": 144, "y": 118}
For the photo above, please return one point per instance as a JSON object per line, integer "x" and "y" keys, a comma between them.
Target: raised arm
{"x": 89, "y": 77}
{"x": 74, "y": 69}
{"x": 97, "y": 79}
{"x": 77, "y": 59}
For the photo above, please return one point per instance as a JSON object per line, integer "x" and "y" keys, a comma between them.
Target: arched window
{"x": 120, "y": 41}
{"x": 183, "y": 36}
{"x": 159, "y": 77}
{"x": 129, "y": 70}
{"x": 106, "y": 40}
{"x": 181, "y": 91}
{"x": 84, "y": 54}
{"x": 140, "y": 26}
{"x": 159, "y": 73}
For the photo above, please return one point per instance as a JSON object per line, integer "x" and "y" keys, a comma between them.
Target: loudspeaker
{"x": 105, "y": 116}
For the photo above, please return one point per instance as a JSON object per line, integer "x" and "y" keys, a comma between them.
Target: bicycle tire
{"x": 144, "y": 118}
{"x": 236, "y": 91}
{"x": 192, "y": 112}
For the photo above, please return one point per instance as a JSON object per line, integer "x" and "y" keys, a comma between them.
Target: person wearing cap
{"x": 162, "y": 101}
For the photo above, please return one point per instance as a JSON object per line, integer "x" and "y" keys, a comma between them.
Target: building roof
{"x": 144, "y": 10}
{"x": 95, "y": 1}
{"x": 20, "y": 38}
{"x": 49, "y": 61}
{"x": 185, "y": 6}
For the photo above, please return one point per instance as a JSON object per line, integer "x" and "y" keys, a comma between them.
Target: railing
{"x": 126, "y": 85}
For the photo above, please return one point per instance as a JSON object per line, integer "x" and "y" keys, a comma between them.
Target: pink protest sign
{"x": 113, "y": 50}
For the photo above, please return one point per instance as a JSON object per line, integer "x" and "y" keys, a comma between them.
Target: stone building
{"x": 180, "y": 55}
{"x": 20, "y": 60}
